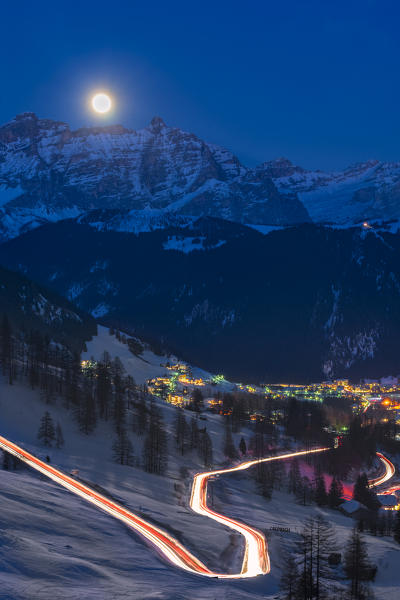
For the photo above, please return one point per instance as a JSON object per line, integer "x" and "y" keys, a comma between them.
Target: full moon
{"x": 101, "y": 103}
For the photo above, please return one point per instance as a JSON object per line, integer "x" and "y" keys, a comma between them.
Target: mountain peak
{"x": 281, "y": 160}
{"x": 28, "y": 125}
{"x": 156, "y": 124}
{"x": 279, "y": 167}
{"x": 24, "y": 125}
{"x": 26, "y": 116}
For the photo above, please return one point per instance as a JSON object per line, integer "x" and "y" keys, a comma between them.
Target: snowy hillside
{"x": 142, "y": 367}
{"x": 56, "y": 546}
{"x": 47, "y": 541}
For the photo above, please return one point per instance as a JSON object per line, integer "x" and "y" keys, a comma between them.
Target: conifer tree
{"x": 257, "y": 446}
{"x": 364, "y": 494}
{"x": 304, "y": 493}
{"x": 360, "y": 491}
{"x": 205, "y": 448}
{"x": 318, "y": 541}
{"x": 265, "y": 479}
{"x": 257, "y": 441}
{"x": 86, "y": 410}
{"x": 335, "y": 494}
{"x": 238, "y": 414}
{"x": 141, "y": 415}
{"x": 131, "y": 392}
{"x": 278, "y": 474}
{"x": 390, "y": 521}
{"x": 46, "y": 431}
{"x": 324, "y": 545}
{"x": 72, "y": 394}
{"x": 381, "y": 524}
{"x": 307, "y": 580}
{"x": 155, "y": 445}
{"x": 119, "y": 396}
{"x": 289, "y": 581}
{"x": 181, "y": 431}
{"x": 294, "y": 479}
{"x": 123, "y": 449}
{"x": 194, "y": 433}
{"x": 321, "y": 497}
{"x": 229, "y": 446}
{"x": 103, "y": 388}
{"x": 59, "y": 436}
{"x": 357, "y": 566}
{"x": 197, "y": 403}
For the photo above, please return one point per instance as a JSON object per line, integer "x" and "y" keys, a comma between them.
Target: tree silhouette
{"x": 46, "y": 431}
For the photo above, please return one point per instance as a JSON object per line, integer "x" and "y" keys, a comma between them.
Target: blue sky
{"x": 318, "y": 82}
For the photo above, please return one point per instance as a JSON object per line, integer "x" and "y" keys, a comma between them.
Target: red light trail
{"x": 256, "y": 558}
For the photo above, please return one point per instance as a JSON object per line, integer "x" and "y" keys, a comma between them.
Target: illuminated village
{"x": 374, "y": 402}
{"x": 177, "y": 386}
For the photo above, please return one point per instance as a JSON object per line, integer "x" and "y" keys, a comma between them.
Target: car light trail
{"x": 166, "y": 544}
{"x": 388, "y": 474}
{"x": 256, "y": 558}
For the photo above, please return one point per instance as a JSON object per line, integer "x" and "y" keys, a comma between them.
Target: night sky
{"x": 316, "y": 81}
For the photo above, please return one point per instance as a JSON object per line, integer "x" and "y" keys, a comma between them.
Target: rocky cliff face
{"x": 48, "y": 172}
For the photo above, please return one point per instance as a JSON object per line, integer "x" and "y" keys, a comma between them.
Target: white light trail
{"x": 256, "y": 558}
{"x": 388, "y": 474}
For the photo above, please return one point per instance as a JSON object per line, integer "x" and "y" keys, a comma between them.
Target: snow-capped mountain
{"x": 368, "y": 191}
{"x": 149, "y": 230}
{"x": 48, "y": 172}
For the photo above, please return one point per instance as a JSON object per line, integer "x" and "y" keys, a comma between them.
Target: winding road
{"x": 256, "y": 558}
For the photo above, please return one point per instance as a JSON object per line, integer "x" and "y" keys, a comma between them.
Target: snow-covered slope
{"x": 142, "y": 367}
{"x": 367, "y": 191}
{"x": 53, "y": 545}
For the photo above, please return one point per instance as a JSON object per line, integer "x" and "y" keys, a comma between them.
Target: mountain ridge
{"x": 49, "y": 172}
{"x": 46, "y": 170}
